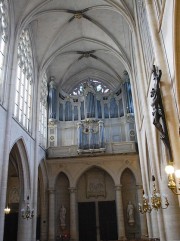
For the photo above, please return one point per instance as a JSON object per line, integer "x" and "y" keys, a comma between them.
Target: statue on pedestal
{"x": 62, "y": 216}
{"x": 130, "y": 214}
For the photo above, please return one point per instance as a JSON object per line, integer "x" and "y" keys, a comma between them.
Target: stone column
{"x": 73, "y": 214}
{"x": 169, "y": 225}
{"x": 119, "y": 211}
{"x": 51, "y": 235}
{"x": 143, "y": 221}
{"x": 25, "y": 228}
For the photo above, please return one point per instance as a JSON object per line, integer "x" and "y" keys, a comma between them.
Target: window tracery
{"x": 97, "y": 84}
{"x": 43, "y": 111}
{"x": 24, "y": 80}
{"x": 4, "y": 24}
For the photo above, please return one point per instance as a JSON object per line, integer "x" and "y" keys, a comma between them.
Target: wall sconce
{"x": 27, "y": 213}
{"x": 169, "y": 169}
{"x": 156, "y": 201}
{"x": 7, "y": 210}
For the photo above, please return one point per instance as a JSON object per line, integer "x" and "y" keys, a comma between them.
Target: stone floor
{"x": 146, "y": 239}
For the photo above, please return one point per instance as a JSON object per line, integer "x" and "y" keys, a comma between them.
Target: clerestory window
{"x": 4, "y": 24}
{"x": 43, "y": 112}
{"x": 24, "y": 81}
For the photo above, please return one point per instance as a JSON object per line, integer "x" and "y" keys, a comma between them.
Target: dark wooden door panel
{"x": 107, "y": 220}
{"x": 87, "y": 221}
{"x": 11, "y": 227}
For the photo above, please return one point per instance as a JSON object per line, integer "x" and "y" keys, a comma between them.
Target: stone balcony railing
{"x": 110, "y": 148}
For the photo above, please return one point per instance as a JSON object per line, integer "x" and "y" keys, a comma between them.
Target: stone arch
{"x": 62, "y": 172}
{"x": 18, "y": 189}
{"x": 94, "y": 182}
{"x": 130, "y": 173}
{"x": 133, "y": 170}
{"x": 94, "y": 166}
{"x": 19, "y": 154}
{"x": 96, "y": 201}
{"x": 129, "y": 196}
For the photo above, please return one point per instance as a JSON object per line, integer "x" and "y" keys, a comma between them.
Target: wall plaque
{"x": 95, "y": 184}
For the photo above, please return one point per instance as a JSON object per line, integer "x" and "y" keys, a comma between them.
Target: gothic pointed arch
{"x": 129, "y": 197}
{"x": 19, "y": 155}
{"x": 62, "y": 204}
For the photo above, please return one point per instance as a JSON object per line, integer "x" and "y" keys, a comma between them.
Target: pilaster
{"x": 51, "y": 235}
{"x": 120, "y": 215}
{"x": 144, "y": 219}
{"x": 73, "y": 214}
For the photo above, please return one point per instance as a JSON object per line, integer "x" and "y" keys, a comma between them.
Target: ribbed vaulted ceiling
{"x": 79, "y": 39}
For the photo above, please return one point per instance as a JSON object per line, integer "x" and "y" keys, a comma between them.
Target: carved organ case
{"x": 91, "y": 117}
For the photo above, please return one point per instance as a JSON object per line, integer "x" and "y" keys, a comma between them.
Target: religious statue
{"x": 156, "y": 103}
{"x": 62, "y": 216}
{"x": 130, "y": 214}
{"x": 158, "y": 110}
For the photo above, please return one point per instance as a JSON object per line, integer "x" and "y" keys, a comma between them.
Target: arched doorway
{"x": 96, "y": 206}
{"x": 18, "y": 183}
{"x": 12, "y": 201}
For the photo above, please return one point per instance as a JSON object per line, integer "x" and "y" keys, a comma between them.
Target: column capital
{"x": 139, "y": 186}
{"x": 72, "y": 189}
{"x": 51, "y": 191}
{"x": 118, "y": 187}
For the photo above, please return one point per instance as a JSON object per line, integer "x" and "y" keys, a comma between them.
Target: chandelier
{"x": 170, "y": 170}
{"x": 155, "y": 201}
{"x": 26, "y": 212}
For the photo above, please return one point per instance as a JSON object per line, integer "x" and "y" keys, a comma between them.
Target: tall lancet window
{"x": 24, "y": 81}
{"x": 4, "y": 24}
{"x": 43, "y": 112}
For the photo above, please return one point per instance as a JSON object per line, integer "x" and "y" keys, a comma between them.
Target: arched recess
{"x": 99, "y": 176}
{"x": 42, "y": 202}
{"x": 129, "y": 196}
{"x": 74, "y": 183}
{"x": 96, "y": 197}
{"x": 18, "y": 188}
{"x": 62, "y": 200}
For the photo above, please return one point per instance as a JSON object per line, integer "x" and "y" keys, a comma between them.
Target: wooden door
{"x": 11, "y": 227}
{"x": 87, "y": 221}
{"x": 107, "y": 220}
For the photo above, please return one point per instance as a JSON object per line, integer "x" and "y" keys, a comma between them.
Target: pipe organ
{"x": 88, "y": 120}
